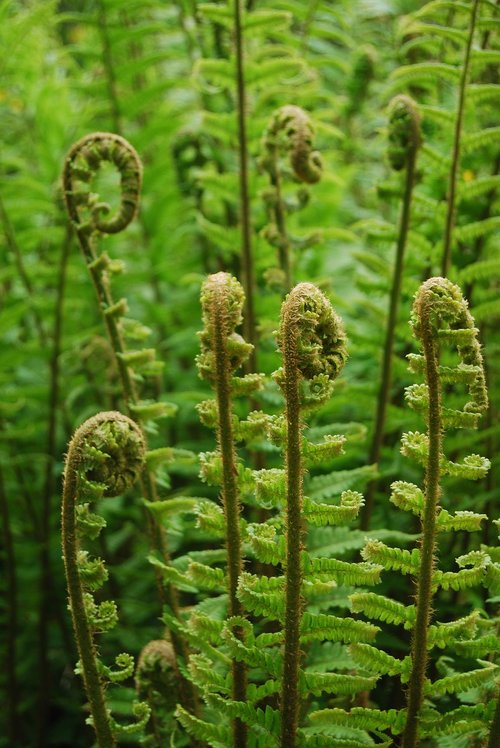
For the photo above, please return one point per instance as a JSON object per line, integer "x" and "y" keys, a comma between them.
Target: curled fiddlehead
{"x": 293, "y": 121}
{"x": 80, "y": 167}
{"x": 313, "y": 345}
{"x": 290, "y": 131}
{"x": 404, "y": 131}
{"x": 105, "y": 457}
{"x": 440, "y": 317}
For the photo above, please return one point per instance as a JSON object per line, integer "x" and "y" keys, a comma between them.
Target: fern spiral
{"x": 105, "y": 457}
{"x": 313, "y": 345}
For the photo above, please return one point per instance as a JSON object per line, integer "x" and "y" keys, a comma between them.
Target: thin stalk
{"x": 13, "y": 726}
{"x": 390, "y": 331}
{"x": 167, "y": 592}
{"x": 230, "y": 496}
{"x": 419, "y": 656}
{"x": 46, "y": 575}
{"x": 107, "y": 60}
{"x": 294, "y": 537}
{"x": 83, "y": 634}
{"x": 248, "y": 280}
{"x": 455, "y": 159}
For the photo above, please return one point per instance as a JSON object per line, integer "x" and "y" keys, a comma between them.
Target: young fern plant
{"x": 223, "y": 351}
{"x": 105, "y": 457}
{"x": 90, "y": 219}
{"x": 404, "y": 142}
{"x": 313, "y": 345}
{"x": 441, "y": 319}
{"x": 289, "y": 131}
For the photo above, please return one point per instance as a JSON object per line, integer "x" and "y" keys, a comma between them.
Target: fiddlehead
{"x": 404, "y": 141}
{"x": 80, "y": 167}
{"x": 105, "y": 457}
{"x": 289, "y": 132}
{"x": 404, "y": 132}
{"x": 222, "y": 352}
{"x": 87, "y": 214}
{"x": 440, "y": 316}
{"x": 313, "y": 344}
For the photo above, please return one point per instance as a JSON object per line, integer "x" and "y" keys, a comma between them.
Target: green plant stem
{"x": 385, "y": 384}
{"x": 432, "y": 491}
{"x": 107, "y": 61}
{"x": 230, "y": 496}
{"x": 83, "y": 634}
{"x": 167, "y": 592}
{"x": 455, "y": 159}
{"x": 46, "y": 575}
{"x": 11, "y": 623}
{"x": 250, "y": 333}
{"x": 280, "y": 221}
{"x": 294, "y": 532}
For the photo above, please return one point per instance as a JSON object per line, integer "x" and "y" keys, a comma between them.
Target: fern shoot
{"x": 105, "y": 457}
{"x": 313, "y": 346}
{"x": 404, "y": 142}
{"x": 222, "y": 352}
{"x": 440, "y": 315}
{"x": 89, "y": 218}
{"x": 295, "y": 125}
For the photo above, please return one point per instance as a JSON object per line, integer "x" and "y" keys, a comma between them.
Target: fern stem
{"x": 250, "y": 332}
{"x": 167, "y": 592}
{"x": 46, "y": 576}
{"x": 294, "y": 532}
{"x": 432, "y": 492}
{"x": 390, "y": 331}
{"x": 83, "y": 634}
{"x": 107, "y": 61}
{"x": 455, "y": 160}
{"x": 230, "y": 492}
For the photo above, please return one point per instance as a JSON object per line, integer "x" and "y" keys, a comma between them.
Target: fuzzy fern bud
{"x": 306, "y": 163}
{"x": 404, "y": 131}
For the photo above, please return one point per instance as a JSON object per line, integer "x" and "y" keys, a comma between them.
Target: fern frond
{"x": 320, "y": 514}
{"x": 216, "y": 736}
{"x": 343, "y": 572}
{"x": 362, "y": 718}
{"x": 318, "y": 683}
{"x": 459, "y": 682}
{"x": 333, "y": 628}
{"x": 377, "y": 661}
{"x": 383, "y": 609}
{"x": 444, "y": 634}
{"x": 392, "y": 558}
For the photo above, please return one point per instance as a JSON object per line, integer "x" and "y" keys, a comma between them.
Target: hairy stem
{"x": 250, "y": 332}
{"x": 294, "y": 538}
{"x": 218, "y": 310}
{"x": 130, "y": 165}
{"x": 83, "y": 634}
{"x": 432, "y": 492}
{"x": 455, "y": 159}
